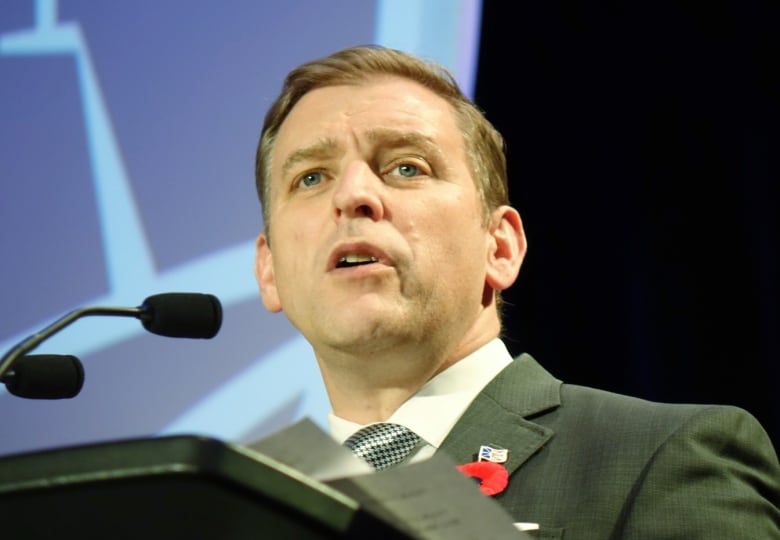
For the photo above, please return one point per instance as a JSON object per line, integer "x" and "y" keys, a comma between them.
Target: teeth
{"x": 357, "y": 259}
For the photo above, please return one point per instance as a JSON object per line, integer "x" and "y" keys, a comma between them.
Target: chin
{"x": 363, "y": 335}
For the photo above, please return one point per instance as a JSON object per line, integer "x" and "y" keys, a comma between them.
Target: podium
{"x": 172, "y": 487}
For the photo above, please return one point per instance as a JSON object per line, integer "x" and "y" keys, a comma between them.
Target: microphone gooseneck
{"x": 189, "y": 315}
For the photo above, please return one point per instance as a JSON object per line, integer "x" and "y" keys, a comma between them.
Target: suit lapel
{"x": 496, "y": 417}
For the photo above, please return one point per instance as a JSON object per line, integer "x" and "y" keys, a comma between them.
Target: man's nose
{"x": 358, "y": 192}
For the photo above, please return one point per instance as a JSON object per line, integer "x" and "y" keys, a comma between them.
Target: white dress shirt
{"x": 437, "y": 406}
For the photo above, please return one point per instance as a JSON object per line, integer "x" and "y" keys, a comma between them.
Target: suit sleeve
{"x": 716, "y": 477}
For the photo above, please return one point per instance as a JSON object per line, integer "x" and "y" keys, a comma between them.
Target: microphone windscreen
{"x": 188, "y": 315}
{"x": 46, "y": 376}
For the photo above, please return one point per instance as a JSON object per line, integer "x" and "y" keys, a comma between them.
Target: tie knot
{"x": 383, "y": 445}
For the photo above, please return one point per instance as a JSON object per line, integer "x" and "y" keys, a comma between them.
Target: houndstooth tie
{"x": 383, "y": 445}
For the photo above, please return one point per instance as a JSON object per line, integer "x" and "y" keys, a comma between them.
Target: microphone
{"x": 186, "y": 315}
{"x": 190, "y": 315}
{"x": 45, "y": 376}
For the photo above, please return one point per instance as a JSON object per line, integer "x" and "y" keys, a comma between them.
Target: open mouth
{"x": 348, "y": 261}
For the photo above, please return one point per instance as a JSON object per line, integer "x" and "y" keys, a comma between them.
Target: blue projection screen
{"x": 127, "y": 139}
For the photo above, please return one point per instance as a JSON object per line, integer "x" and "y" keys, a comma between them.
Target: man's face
{"x": 377, "y": 230}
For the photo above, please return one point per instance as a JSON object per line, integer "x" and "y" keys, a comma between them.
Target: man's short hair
{"x": 484, "y": 145}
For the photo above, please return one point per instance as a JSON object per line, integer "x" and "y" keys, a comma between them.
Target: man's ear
{"x": 507, "y": 248}
{"x": 264, "y": 274}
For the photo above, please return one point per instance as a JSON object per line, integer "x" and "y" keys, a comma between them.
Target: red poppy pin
{"x": 491, "y": 477}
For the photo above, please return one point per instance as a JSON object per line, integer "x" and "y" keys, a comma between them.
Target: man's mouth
{"x": 348, "y": 261}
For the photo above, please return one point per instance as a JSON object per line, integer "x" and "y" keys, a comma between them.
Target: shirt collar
{"x": 435, "y": 408}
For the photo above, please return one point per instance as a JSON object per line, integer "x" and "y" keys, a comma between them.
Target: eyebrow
{"x": 328, "y": 146}
{"x": 396, "y": 138}
{"x": 323, "y": 148}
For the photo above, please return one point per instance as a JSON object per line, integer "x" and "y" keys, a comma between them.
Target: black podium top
{"x": 172, "y": 487}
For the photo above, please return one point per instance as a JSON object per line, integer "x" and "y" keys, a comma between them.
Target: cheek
{"x": 467, "y": 251}
{"x": 296, "y": 244}
{"x": 451, "y": 243}
{"x": 461, "y": 226}
{"x": 289, "y": 227}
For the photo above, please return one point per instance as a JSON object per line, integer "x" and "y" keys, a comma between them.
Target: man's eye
{"x": 310, "y": 179}
{"x": 407, "y": 170}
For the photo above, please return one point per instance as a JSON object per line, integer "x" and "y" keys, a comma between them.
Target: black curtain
{"x": 643, "y": 142}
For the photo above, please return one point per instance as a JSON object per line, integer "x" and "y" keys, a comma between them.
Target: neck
{"x": 370, "y": 388}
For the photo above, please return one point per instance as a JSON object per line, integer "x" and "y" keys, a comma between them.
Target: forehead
{"x": 373, "y": 112}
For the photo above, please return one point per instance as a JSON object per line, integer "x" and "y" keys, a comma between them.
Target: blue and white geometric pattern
{"x": 124, "y": 206}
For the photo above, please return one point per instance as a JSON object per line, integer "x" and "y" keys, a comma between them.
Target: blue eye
{"x": 407, "y": 170}
{"x": 311, "y": 179}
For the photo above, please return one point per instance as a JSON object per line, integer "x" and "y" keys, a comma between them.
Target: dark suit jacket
{"x": 589, "y": 464}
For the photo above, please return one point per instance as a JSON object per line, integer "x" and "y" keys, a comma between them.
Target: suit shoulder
{"x": 629, "y": 413}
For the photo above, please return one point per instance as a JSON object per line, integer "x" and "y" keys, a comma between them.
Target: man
{"x": 388, "y": 240}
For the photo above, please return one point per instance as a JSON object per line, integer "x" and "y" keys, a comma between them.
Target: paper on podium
{"x": 306, "y": 448}
{"x": 430, "y": 500}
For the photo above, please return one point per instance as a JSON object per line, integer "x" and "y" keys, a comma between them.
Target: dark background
{"x": 642, "y": 141}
